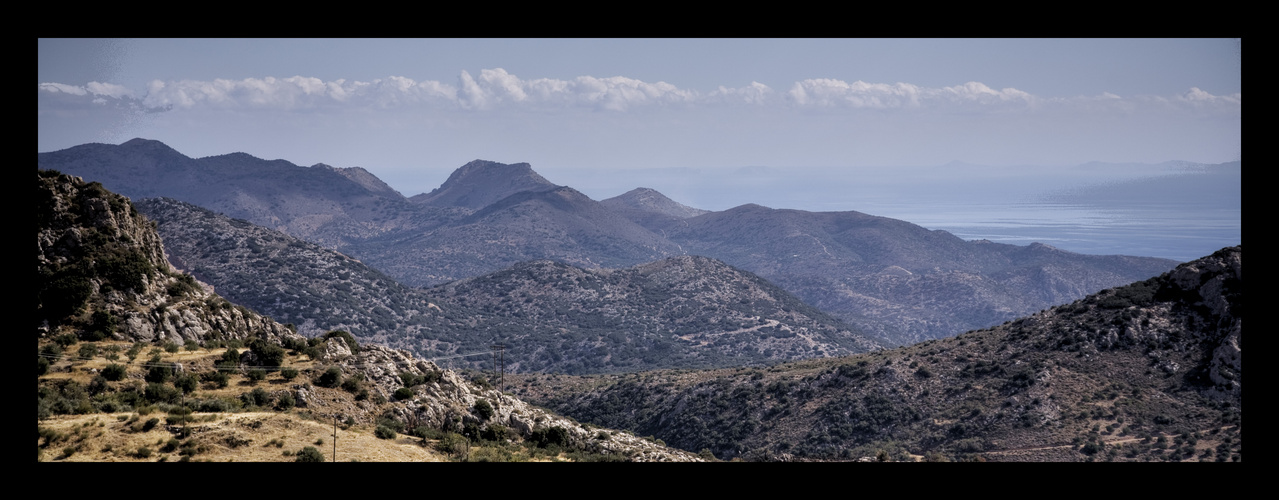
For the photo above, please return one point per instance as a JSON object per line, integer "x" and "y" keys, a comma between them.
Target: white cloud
{"x": 496, "y": 89}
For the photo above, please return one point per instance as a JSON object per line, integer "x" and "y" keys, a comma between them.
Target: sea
{"x": 1174, "y": 210}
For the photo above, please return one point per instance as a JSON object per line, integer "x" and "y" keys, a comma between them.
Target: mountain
{"x": 650, "y": 209}
{"x": 320, "y": 203}
{"x": 684, "y": 312}
{"x": 481, "y": 183}
{"x": 1147, "y": 371}
{"x": 677, "y": 312}
{"x": 559, "y": 224}
{"x": 895, "y": 280}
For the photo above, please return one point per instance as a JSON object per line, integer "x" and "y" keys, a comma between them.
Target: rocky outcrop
{"x": 448, "y": 402}
{"x": 102, "y": 272}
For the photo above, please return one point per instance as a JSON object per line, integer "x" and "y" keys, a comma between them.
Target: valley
{"x": 751, "y": 333}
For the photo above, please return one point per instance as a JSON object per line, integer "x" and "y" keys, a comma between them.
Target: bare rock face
{"x": 102, "y": 272}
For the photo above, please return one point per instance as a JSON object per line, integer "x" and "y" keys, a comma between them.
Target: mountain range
{"x": 898, "y": 282}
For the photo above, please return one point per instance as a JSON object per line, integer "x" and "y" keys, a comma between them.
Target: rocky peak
{"x": 480, "y": 183}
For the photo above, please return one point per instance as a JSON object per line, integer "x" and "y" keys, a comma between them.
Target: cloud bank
{"x": 496, "y": 89}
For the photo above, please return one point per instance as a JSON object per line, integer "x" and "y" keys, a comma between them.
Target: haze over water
{"x": 1172, "y": 210}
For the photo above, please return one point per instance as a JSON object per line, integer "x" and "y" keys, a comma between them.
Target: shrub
{"x": 309, "y": 454}
{"x": 483, "y": 409}
{"x": 114, "y": 372}
{"x": 42, "y": 366}
{"x": 403, "y": 394}
{"x": 286, "y": 402}
{"x": 256, "y": 397}
{"x": 331, "y": 378}
{"x": 451, "y": 442}
{"x": 269, "y": 354}
{"x": 186, "y": 383}
{"x": 289, "y": 373}
{"x": 384, "y": 432}
{"x": 88, "y": 351}
{"x": 143, "y": 452}
{"x": 257, "y": 375}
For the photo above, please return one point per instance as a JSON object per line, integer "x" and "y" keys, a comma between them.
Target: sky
{"x": 981, "y": 137}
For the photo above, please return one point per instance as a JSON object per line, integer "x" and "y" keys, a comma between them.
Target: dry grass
{"x": 225, "y": 437}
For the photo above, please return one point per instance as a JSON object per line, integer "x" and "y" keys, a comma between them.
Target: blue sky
{"x": 411, "y": 111}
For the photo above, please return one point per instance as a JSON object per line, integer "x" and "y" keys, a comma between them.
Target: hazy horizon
{"x": 815, "y": 124}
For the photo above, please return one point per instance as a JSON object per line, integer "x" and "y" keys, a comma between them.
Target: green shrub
{"x": 331, "y": 378}
{"x": 257, "y": 375}
{"x": 309, "y": 454}
{"x": 268, "y": 354}
{"x": 185, "y": 383}
{"x": 288, "y": 373}
{"x": 42, "y": 366}
{"x": 114, "y": 372}
{"x": 285, "y": 402}
{"x": 403, "y": 394}
{"x": 483, "y": 409}
{"x": 256, "y": 397}
{"x": 384, "y": 432}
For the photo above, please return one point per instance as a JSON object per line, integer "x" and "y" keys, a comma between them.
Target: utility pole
{"x": 499, "y": 369}
{"x": 335, "y": 438}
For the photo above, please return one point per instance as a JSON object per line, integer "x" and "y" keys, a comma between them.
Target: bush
{"x": 256, "y": 397}
{"x": 309, "y": 454}
{"x": 403, "y": 394}
{"x": 331, "y": 378}
{"x": 384, "y": 432}
{"x": 483, "y": 409}
{"x": 257, "y": 375}
{"x": 269, "y": 354}
{"x": 114, "y": 372}
{"x": 186, "y": 383}
{"x": 286, "y": 402}
{"x": 289, "y": 373}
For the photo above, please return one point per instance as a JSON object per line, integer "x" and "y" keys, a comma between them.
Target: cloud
{"x": 496, "y": 89}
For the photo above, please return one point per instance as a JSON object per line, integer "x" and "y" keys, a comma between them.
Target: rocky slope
{"x": 678, "y": 312}
{"x": 1147, "y": 371}
{"x": 102, "y": 277}
{"x": 101, "y": 273}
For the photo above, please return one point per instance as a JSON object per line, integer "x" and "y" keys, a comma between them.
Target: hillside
{"x": 895, "y": 280}
{"x": 678, "y": 312}
{"x": 105, "y": 292}
{"x": 1147, "y": 371}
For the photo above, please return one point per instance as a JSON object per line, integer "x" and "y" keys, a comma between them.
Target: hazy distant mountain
{"x": 896, "y": 280}
{"x": 899, "y": 280}
{"x": 481, "y": 183}
{"x": 320, "y": 203}
{"x": 559, "y": 224}
{"x": 1147, "y": 371}
{"x": 650, "y": 209}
